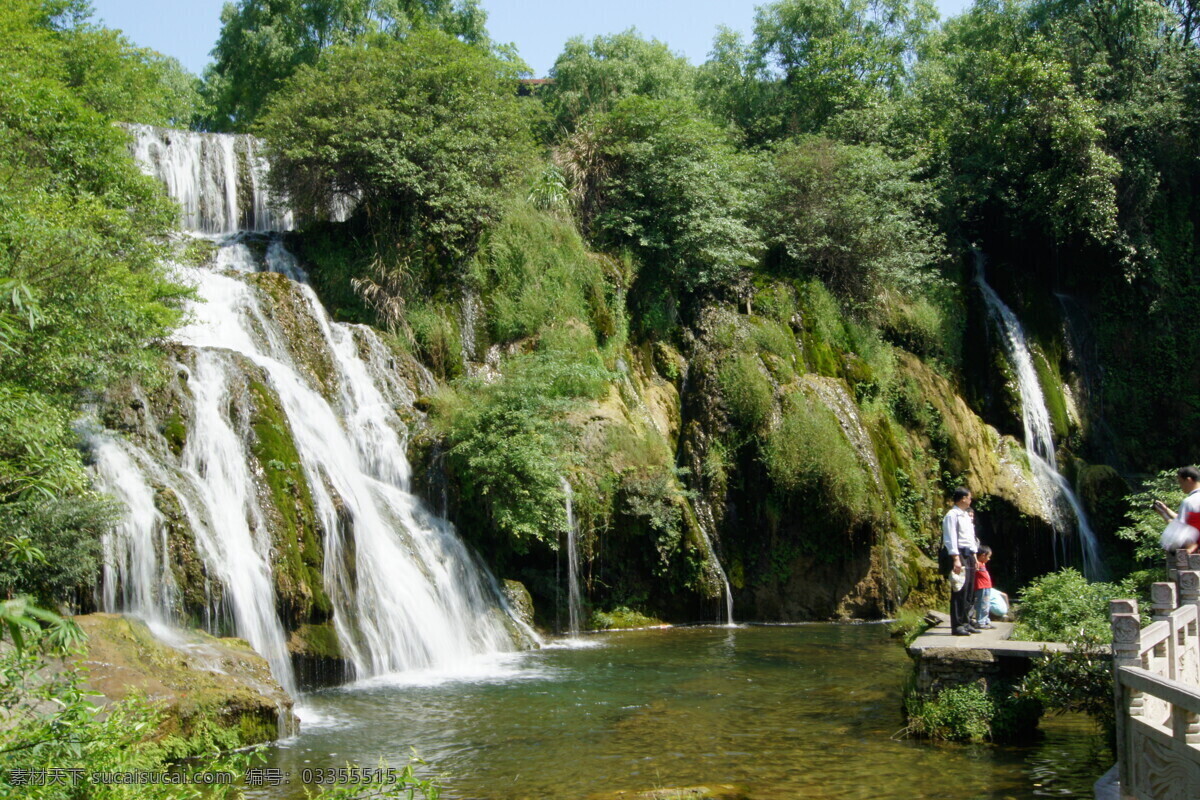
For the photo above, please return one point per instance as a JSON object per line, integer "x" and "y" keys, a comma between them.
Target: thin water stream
{"x": 806, "y": 711}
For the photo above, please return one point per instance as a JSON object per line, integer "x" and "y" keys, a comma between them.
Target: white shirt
{"x": 958, "y": 531}
{"x": 1190, "y": 505}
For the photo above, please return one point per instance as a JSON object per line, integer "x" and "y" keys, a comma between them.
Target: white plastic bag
{"x": 998, "y": 606}
{"x": 958, "y": 580}
{"x": 1177, "y": 535}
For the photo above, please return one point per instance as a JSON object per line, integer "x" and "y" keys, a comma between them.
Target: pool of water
{"x": 805, "y": 711}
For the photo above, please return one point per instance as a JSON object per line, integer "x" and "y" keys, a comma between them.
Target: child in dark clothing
{"x": 983, "y": 587}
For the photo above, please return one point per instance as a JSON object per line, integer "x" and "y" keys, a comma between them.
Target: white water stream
{"x": 1039, "y": 438}
{"x": 574, "y": 597}
{"x": 406, "y": 592}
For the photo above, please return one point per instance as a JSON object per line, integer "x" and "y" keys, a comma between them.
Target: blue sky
{"x": 187, "y": 29}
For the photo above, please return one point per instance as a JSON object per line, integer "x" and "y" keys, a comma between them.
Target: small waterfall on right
{"x": 1039, "y": 439}
{"x": 574, "y": 597}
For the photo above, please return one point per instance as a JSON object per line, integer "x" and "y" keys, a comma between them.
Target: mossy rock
{"x": 1103, "y": 492}
{"x": 211, "y": 684}
{"x": 621, "y": 618}
{"x": 295, "y": 530}
{"x": 283, "y": 302}
{"x": 519, "y": 600}
{"x": 196, "y": 591}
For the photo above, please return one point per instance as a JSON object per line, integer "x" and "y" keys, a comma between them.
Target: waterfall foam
{"x": 1039, "y": 438}
{"x": 407, "y": 594}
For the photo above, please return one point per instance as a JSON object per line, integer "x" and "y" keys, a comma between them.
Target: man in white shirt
{"x": 1189, "y": 483}
{"x": 957, "y": 557}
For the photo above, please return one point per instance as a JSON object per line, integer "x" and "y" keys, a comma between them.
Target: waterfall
{"x": 219, "y": 180}
{"x": 406, "y": 592}
{"x": 1039, "y": 438}
{"x": 574, "y": 598}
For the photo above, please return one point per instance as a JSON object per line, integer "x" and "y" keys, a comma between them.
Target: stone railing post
{"x": 1176, "y": 561}
{"x": 1189, "y": 636}
{"x": 1162, "y": 603}
{"x": 1127, "y": 633}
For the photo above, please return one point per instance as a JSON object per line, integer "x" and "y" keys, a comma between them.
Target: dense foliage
{"x": 424, "y": 158}
{"x": 1064, "y": 606}
{"x": 84, "y": 292}
{"x": 263, "y": 42}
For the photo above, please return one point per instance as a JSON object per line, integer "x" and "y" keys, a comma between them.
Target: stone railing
{"x": 1156, "y": 677}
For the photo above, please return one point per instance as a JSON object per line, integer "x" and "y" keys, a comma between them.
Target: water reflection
{"x": 783, "y": 712}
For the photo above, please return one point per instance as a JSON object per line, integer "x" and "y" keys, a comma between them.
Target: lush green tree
{"x": 655, "y": 177}
{"x": 66, "y": 535}
{"x": 811, "y": 59}
{"x": 594, "y": 76}
{"x": 1020, "y": 148}
{"x": 852, "y": 216}
{"x": 84, "y": 291}
{"x": 263, "y": 42}
{"x": 128, "y": 83}
{"x": 426, "y": 156}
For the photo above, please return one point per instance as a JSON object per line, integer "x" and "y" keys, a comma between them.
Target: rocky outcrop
{"x": 199, "y": 679}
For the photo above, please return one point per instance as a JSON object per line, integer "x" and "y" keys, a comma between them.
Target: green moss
{"x": 175, "y": 432}
{"x": 747, "y": 390}
{"x": 187, "y": 566}
{"x": 317, "y": 640}
{"x": 621, "y": 617}
{"x": 1056, "y": 404}
{"x": 298, "y": 551}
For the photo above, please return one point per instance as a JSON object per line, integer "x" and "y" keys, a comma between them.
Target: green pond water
{"x": 805, "y": 711}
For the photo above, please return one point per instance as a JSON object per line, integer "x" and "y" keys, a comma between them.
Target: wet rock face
{"x": 200, "y": 680}
{"x": 520, "y": 600}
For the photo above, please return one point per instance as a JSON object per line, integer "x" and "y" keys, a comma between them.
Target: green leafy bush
{"x": 958, "y": 714}
{"x": 748, "y": 392}
{"x": 1064, "y": 605}
{"x": 1079, "y": 680}
{"x": 67, "y": 534}
{"x": 510, "y": 443}
{"x": 1144, "y": 525}
{"x": 534, "y": 271}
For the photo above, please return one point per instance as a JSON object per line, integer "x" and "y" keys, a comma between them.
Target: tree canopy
{"x": 263, "y": 42}
{"x": 426, "y": 156}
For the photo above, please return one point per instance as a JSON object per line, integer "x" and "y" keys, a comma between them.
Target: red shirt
{"x": 983, "y": 580}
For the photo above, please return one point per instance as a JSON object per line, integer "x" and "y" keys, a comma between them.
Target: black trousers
{"x": 962, "y": 601}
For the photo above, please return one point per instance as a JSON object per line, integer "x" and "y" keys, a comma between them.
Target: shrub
{"x": 1079, "y": 680}
{"x": 748, "y": 392}
{"x": 1145, "y": 526}
{"x": 1063, "y": 605}
{"x": 958, "y": 713}
{"x": 67, "y": 535}
{"x": 510, "y": 442}
{"x": 534, "y": 270}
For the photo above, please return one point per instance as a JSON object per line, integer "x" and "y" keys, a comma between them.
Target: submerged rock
{"x": 200, "y": 679}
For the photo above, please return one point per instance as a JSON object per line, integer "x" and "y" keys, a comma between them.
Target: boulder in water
{"x": 198, "y": 677}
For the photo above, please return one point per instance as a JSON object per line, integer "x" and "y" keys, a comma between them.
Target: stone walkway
{"x": 995, "y": 640}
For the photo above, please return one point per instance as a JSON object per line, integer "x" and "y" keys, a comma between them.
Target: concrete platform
{"x": 995, "y": 640}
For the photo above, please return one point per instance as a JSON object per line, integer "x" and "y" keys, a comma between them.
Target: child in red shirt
{"x": 983, "y": 587}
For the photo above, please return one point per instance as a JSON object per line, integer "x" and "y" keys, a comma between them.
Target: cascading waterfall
{"x": 406, "y": 592}
{"x": 219, "y": 180}
{"x": 574, "y": 597}
{"x": 1039, "y": 439}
